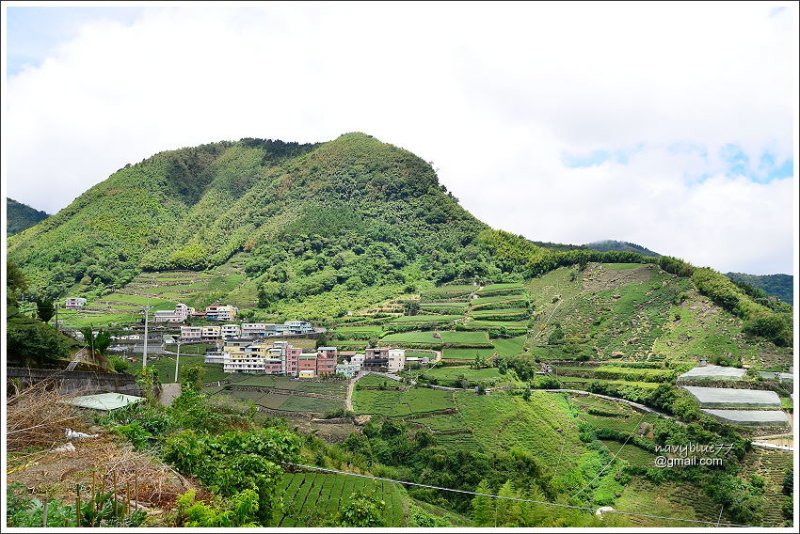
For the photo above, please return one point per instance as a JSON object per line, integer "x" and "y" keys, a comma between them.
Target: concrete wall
{"x": 75, "y": 381}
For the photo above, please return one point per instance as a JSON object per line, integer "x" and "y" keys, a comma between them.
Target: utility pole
{"x": 144, "y": 353}
{"x": 177, "y": 361}
{"x": 55, "y": 302}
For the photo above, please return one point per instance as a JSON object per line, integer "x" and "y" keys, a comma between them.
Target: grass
{"x": 444, "y": 307}
{"x": 320, "y": 386}
{"x": 501, "y": 314}
{"x": 450, "y": 376}
{"x": 447, "y": 292}
{"x": 465, "y": 354}
{"x": 634, "y": 455}
{"x": 425, "y": 319}
{"x": 446, "y": 338}
{"x": 510, "y": 346}
{"x": 501, "y": 289}
{"x": 499, "y": 301}
{"x": 166, "y": 368}
{"x": 392, "y": 403}
{"x": 543, "y": 426}
{"x": 286, "y": 403}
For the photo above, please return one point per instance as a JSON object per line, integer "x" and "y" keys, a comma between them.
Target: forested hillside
{"x": 609, "y": 244}
{"x": 21, "y": 216}
{"x": 313, "y": 230}
{"x": 777, "y": 285}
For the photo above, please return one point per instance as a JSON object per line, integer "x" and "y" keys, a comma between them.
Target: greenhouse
{"x": 734, "y": 398}
{"x": 750, "y": 417}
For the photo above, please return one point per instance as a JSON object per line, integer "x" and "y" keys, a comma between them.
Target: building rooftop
{"x": 104, "y": 401}
{"x": 714, "y": 371}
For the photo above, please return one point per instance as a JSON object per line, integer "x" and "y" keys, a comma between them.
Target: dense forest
{"x": 21, "y": 216}
{"x": 777, "y": 285}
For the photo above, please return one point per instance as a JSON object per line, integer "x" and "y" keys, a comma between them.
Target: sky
{"x": 667, "y": 125}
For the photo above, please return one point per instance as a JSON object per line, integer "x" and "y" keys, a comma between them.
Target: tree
{"x": 98, "y": 342}
{"x": 411, "y": 307}
{"x": 32, "y": 341}
{"x": 362, "y": 511}
{"x": 483, "y": 507}
{"x": 45, "y": 309}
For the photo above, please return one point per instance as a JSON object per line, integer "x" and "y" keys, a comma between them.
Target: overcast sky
{"x": 670, "y": 125}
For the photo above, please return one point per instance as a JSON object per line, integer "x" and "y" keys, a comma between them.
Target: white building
{"x": 191, "y": 333}
{"x": 178, "y": 315}
{"x": 358, "y": 359}
{"x": 243, "y": 363}
{"x": 231, "y": 331}
{"x": 214, "y": 357}
{"x": 211, "y": 332}
{"x": 221, "y": 313}
{"x": 348, "y": 369}
{"x": 253, "y": 330}
{"x": 397, "y": 360}
{"x": 74, "y": 303}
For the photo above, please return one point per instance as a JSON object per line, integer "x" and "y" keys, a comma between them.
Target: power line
{"x": 493, "y": 496}
{"x": 611, "y": 461}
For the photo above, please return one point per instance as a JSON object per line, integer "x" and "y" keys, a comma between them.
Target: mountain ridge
{"x": 20, "y": 216}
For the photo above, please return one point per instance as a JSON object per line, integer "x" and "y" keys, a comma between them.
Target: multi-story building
{"x": 385, "y": 359}
{"x": 307, "y": 365}
{"x": 326, "y": 361}
{"x": 357, "y": 359}
{"x": 294, "y": 328}
{"x": 74, "y": 303}
{"x": 376, "y": 359}
{"x": 397, "y": 360}
{"x": 230, "y": 331}
{"x": 191, "y": 333}
{"x": 211, "y": 332}
{"x": 221, "y": 313}
{"x": 178, "y": 315}
{"x": 243, "y": 356}
{"x": 254, "y": 330}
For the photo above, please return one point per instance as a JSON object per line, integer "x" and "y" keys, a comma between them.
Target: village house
{"x": 230, "y": 331}
{"x": 385, "y": 359}
{"x": 74, "y": 303}
{"x": 348, "y": 369}
{"x": 221, "y": 313}
{"x": 178, "y": 315}
{"x": 210, "y": 333}
{"x": 191, "y": 333}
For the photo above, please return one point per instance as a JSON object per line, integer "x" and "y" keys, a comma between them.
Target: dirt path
{"x": 169, "y": 392}
{"x": 348, "y": 401}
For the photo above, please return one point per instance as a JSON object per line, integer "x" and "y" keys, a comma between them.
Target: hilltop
{"x": 623, "y": 246}
{"x": 21, "y": 216}
{"x": 317, "y": 231}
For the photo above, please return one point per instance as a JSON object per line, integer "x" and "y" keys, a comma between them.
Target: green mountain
{"x": 284, "y": 230}
{"x": 622, "y": 246}
{"x": 777, "y": 285}
{"x": 21, "y": 216}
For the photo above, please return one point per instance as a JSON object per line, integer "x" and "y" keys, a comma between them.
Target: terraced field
{"x": 287, "y": 402}
{"x": 452, "y": 339}
{"x": 772, "y": 465}
{"x": 309, "y": 498}
{"x": 394, "y": 403}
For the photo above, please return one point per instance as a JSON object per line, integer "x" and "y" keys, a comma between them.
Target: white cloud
{"x": 493, "y": 94}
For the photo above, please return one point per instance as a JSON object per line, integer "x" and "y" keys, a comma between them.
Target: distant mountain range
{"x": 21, "y": 216}
{"x": 778, "y": 285}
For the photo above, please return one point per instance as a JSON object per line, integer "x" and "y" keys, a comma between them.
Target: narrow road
{"x": 348, "y": 401}
{"x": 169, "y": 392}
